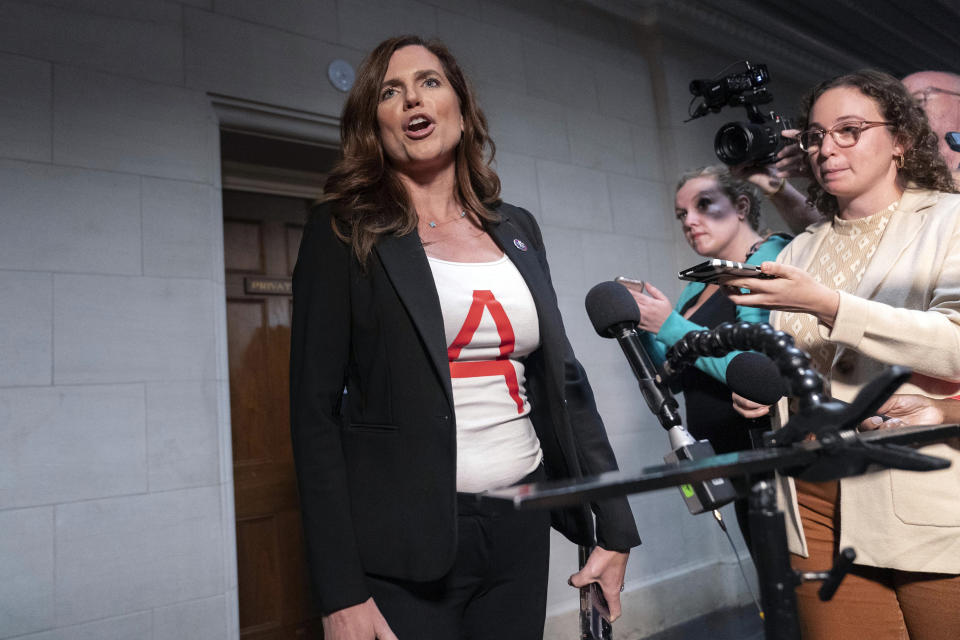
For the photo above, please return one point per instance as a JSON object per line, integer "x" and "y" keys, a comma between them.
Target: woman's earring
{"x": 899, "y": 160}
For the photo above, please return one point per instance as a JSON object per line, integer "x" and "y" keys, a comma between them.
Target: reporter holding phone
{"x": 720, "y": 216}
{"x": 876, "y": 284}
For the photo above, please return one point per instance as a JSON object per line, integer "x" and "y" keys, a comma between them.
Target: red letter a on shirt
{"x": 501, "y": 366}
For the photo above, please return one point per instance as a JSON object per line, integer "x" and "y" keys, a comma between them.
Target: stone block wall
{"x": 116, "y": 502}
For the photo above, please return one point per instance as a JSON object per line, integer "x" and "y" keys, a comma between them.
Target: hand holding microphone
{"x": 748, "y": 408}
{"x": 756, "y": 384}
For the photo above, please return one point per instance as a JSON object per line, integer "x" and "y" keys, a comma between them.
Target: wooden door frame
{"x": 266, "y": 120}
{"x": 245, "y": 116}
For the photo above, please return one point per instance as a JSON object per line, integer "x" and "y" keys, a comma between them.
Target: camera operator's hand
{"x": 791, "y": 163}
{"x": 764, "y": 176}
{"x": 772, "y": 180}
{"x": 791, "y": 160}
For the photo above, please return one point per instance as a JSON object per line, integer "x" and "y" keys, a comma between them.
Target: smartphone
{"x": 716, "y": 271}
{"x": 598, "y": 601}
{"x": 630, "y": 283}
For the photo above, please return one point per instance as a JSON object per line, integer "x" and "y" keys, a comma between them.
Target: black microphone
{"x": 756, "y": 377}
{"x": 614, "y": 314}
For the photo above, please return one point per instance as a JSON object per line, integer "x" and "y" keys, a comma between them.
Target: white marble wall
{"x": 116, "y": 504}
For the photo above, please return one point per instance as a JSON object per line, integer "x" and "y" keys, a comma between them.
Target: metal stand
{"x": 819, "y": 443}
{"x": 777, "y": 579}
{"x": 834, "y": 457}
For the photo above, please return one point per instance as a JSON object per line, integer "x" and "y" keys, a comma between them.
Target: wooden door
{"x": 261, "y": 238}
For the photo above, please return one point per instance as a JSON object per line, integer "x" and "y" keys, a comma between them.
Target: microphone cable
{"x": 743, "y": 572}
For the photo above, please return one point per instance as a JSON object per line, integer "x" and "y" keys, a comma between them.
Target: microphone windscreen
{"x": 755, "y": 377}
{"x": 610, "y": 304}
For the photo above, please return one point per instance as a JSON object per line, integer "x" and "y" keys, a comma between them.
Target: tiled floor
{"x": 729, "y": 624}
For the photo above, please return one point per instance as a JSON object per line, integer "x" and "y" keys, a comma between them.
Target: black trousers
{"x": 497, "y": 587}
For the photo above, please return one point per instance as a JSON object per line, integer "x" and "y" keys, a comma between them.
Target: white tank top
{"x": 491, "y": 324}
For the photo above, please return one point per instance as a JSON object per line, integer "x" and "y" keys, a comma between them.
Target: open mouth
{"x": 418, "y": 124}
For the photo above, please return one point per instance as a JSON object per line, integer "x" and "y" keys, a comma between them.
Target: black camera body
{"x": 730, "y": 89}
{"x": 754, "y": 142}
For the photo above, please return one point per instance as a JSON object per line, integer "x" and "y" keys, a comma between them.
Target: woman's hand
{"x": 765, "y": 176}
{"x": 654, "y": 308}
{"x": 606, "y": 568}
{"x": 907, "y": 409}
{"x": 772, "y": 179}
{"x": 749, "y": 408}
{"x": 360, "y": 622}
{"x": 793, "y": 289}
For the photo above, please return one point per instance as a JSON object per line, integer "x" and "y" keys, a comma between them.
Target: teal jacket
{"x": 676, "y": 326}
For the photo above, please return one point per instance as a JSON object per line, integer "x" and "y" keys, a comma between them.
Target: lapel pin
{"x": 518, "y": 243}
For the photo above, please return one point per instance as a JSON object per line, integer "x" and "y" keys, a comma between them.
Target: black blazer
{"x": 377, "y": 477}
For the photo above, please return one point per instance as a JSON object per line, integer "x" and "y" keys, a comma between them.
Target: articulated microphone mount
{"x": 832, "y": 424}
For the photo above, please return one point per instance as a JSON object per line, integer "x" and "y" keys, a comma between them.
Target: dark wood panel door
{"x": 261, "y": 238}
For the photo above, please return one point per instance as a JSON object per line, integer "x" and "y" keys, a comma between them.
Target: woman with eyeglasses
{"x": 876, "y": 284}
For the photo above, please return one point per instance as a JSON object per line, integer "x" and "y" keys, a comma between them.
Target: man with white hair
{"x": 938, "y": 92}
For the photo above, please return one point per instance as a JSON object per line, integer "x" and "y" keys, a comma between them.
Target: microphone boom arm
{"x": 830, "y": 421}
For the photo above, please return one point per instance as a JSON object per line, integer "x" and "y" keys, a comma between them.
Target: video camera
{"x": 753, "y": 142}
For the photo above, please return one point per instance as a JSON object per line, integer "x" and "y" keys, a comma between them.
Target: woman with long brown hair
{"x": 429, "y": 363}
{"x": 876, "y": 284}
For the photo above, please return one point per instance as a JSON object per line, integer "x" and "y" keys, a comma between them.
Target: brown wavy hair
{"x": 367, "y": 199}
{"x": 731, "y": 186}
{"x": 922, "y": 163}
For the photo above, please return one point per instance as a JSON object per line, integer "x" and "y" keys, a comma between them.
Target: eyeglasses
{"x": 845, "y": 134}
{"x": 922, "y": 96}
